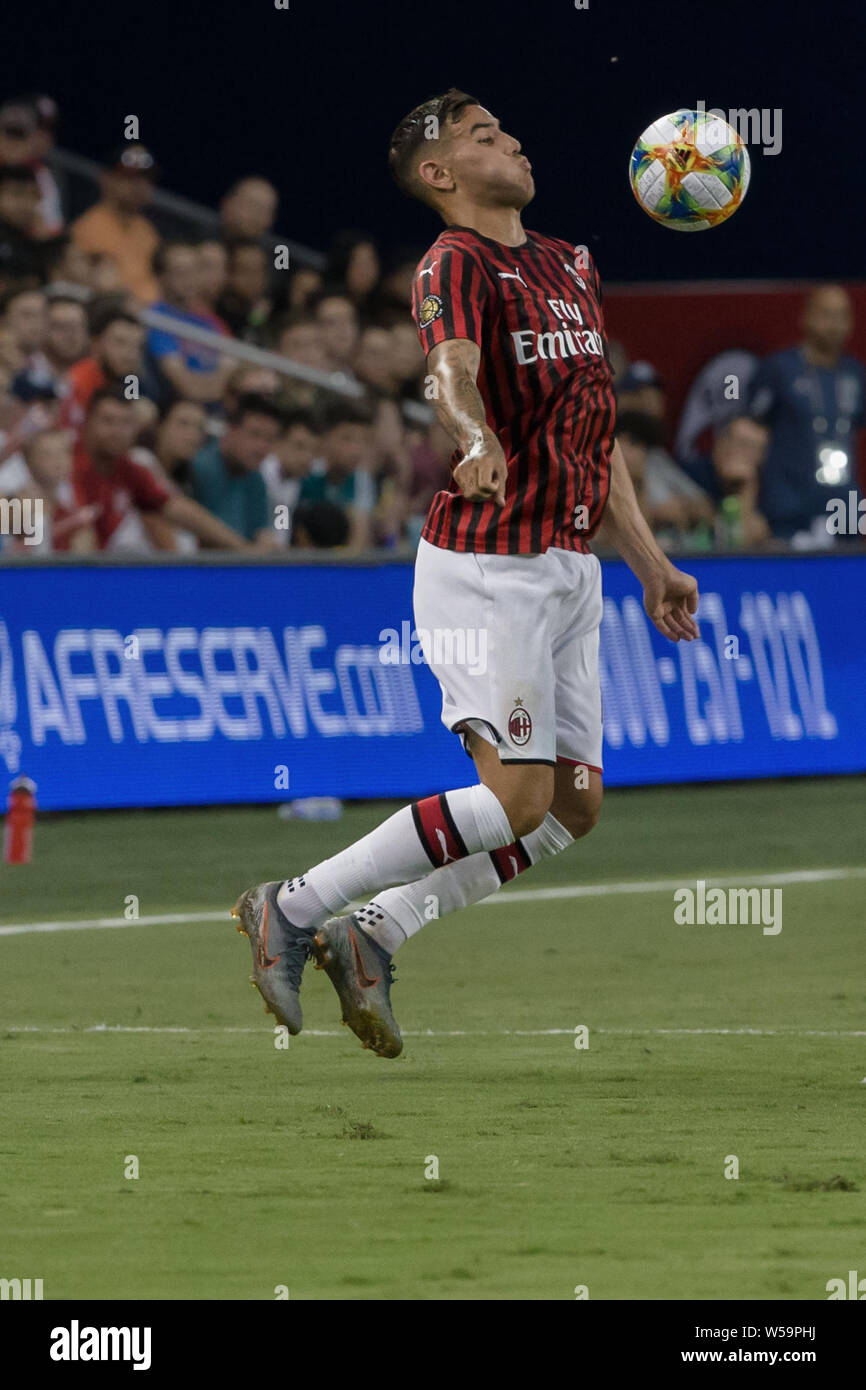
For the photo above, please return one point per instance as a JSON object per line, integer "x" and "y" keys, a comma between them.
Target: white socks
{"x": 441, "y": 830}
{"x": 398, "y": 913}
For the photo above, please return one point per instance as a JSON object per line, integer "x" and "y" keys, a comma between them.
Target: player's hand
{"x": 670, "y": 598}
{"x": 482, "y": 474}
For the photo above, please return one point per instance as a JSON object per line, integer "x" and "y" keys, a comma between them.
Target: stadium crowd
{"x": 156, "y": 438}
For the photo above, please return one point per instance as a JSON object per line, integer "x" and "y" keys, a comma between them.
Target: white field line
{"x": 505, "y": 898}
{"x": 792, "y": 1032}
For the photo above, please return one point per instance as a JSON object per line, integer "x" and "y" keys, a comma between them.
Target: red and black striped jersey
{"x": 545, "y": 378}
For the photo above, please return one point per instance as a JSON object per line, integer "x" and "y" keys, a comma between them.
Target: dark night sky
{"x": 309, "y": 96}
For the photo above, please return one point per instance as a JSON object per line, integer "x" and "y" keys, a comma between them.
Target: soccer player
{"x": 512, "y": 325}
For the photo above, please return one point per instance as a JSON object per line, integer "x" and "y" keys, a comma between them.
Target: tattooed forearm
{"x": 457, "y": 400}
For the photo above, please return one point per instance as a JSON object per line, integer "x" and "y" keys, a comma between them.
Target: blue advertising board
{"x": 193, "y": 684}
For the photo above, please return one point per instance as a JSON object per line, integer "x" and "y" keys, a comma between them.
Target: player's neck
{"x": 500, "y": 224}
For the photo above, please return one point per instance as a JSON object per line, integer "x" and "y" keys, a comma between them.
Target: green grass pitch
{"x": 305, "y": 1167}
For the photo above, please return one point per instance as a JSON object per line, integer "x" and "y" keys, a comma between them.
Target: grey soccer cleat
{"x": 361, "y": 972}
{"x": 280, "y": 952}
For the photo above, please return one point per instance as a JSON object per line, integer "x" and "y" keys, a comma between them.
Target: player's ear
{"x": 435, "y": 176}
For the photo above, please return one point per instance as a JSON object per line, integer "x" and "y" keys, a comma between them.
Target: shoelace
{"x": 298, "y": 950}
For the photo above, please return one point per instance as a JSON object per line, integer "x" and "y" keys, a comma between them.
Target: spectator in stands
{"x": 300, "y": 338}
{"x": 246, "y": 303}
{"x": 105, "y": 477}
{"x": 175, "y": 439}
{"x": 673, "y": 498}
{"x": 227, "y": 475}
{"x": 50, "y": 201}
{"x": 115, "y": 228}
{"x": 116, "y": 360}
{"x": 285, "y": 469}
{"x": 25, "y": 254}
{"x": 47, "y": 478}
{"x": 354, "y": 265}
{"x": 248, "y": 379}
{"x": 374, "y": 360}
{"x": 636, "y": 434}
{"x": 409, "y": 362}
{"x": 394, "y": 298}
{"x": 431, "y": 473}
{"x": 12, "y": 359}
{"x": 188, "y": 368}
{"x": 66, "y": 338}
{"x": 812, "y": 398}
{"x": 213, "y": 269}
{"x": 374, "y": 367}
{"x": 732, "y": 470}
{"x": 24, "y": 312}
{"x": 320, "y": 526}
{"x": 342, "y": 472}
{"x": 249, "y": 210}
{"x": 337, "y": 318}
{"x": 35, "y": 406}
{"x": 74, "y": 270}
{"x": 304, "y": 284}
{"x": 179, "y": 435}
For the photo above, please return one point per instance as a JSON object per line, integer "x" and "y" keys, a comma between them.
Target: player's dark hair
{"x": 425, "y": 123}
{"x": 252, "y": 404}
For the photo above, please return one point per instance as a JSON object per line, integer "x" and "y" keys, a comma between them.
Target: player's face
{"x": 487, "y": 164}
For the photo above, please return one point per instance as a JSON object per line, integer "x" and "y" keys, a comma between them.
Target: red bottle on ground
{"x": 20, "y": 816}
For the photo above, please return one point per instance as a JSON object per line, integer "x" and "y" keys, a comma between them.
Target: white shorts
{"x": 513, "y": 643}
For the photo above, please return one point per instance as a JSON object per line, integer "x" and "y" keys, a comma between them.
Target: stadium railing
{"x": 336, "y": 382}
{"x": 173, "y": 214}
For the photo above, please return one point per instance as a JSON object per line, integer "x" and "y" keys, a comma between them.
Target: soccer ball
{"x": 689, "y": 170}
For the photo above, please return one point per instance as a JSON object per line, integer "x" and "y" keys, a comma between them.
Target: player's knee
{"x": 581, "y": 820}
{"x": 579, "y": 815}
{"x": 527, "y": 803}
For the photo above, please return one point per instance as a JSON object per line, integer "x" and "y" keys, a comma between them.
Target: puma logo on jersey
{"x": 428, "y": 270}
{"x": 506, "y": 275}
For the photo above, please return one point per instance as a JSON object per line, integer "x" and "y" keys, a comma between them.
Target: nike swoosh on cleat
{"x": 263, "y": 960}
{"x": 364, "y": 979}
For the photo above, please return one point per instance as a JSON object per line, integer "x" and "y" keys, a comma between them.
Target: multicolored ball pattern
{"x": 690, "y": 170}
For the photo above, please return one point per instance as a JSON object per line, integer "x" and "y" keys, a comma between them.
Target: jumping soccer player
{"x": 513, "y": 329}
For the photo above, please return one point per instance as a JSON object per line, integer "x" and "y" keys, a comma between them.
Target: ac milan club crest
{"x": 519, "y": 726}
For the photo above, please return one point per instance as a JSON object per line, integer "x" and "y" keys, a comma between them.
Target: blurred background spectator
{"x": 116, "y": 230}
{"x": 812, "y": 399}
